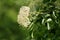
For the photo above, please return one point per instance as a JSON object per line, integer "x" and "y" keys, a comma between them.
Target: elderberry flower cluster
{"x": 23, "y": 16}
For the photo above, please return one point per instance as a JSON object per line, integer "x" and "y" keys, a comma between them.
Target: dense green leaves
{"x": 46, "y": 26}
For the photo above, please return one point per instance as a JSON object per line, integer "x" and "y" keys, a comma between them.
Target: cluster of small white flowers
{"x": 23, "y": 16}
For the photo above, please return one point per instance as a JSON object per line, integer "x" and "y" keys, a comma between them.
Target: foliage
{"x": 48, "y": 16}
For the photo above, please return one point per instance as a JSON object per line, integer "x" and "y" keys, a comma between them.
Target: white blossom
{"x": 23, "y": 16}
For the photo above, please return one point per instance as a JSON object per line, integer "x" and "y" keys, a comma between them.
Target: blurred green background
{"x": 9, "y": 28}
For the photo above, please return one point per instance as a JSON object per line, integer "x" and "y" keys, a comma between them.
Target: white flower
{"x": 23, "y": 16}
